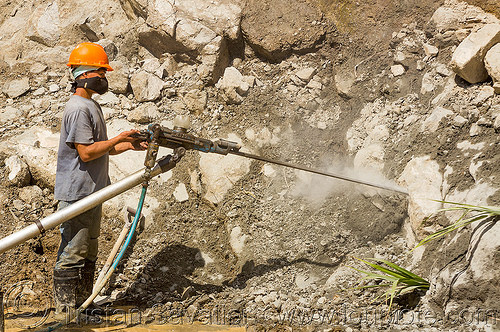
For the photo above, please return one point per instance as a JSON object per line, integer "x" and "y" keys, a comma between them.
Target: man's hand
{"x": 116, "y": 145}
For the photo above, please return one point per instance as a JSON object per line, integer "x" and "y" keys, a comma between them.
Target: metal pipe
{"x": 81, "y": 206}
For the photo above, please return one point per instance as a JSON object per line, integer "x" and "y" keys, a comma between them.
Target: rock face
{"x": 276, "y": 29}
{"x": 467, "y": 60}
{"x": 492, "y": 65}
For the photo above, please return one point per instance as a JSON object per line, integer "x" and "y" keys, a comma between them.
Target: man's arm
{"x": 115, "y": 145}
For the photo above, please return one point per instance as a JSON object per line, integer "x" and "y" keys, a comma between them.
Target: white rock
{"x": 146, "y": 86}
{"x": 268, "y": 170}
{"x": 474, "y": 130}
{"x": 219, "y": 173}
{"x": 151, "y": 65}
{"x": 54, "y": 87}
{"x": 237, "y": 240}
{"x": 430, "y": 50}
{"x": 397, "y": 70}
{"x": 467, "y": 60}
{"x": 306, "y": 74}
{"x": 485, "y": 93}
{"x": 145, "y": 113}
{"x": 431, "y": 123}
{"x": 459, "y": 121}
{"x": 427, "y": 83}
{"x": 18, "y": 171}
{"x": 38, "y": 68}
{"x": 344, "y": 83}
{"x": 423, "y": 179}
{"x": 44, "y": 25}
{"x": 233, "y": 85}
{"x": 38, "y": 92}
{"x": 180, "y": 193}
{"x": 16, "y": 88}
{"x": 492, "y": 65}
{"x": 38, "y": 147}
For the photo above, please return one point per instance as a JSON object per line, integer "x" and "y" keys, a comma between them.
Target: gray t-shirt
{"x": 83, "y": 123}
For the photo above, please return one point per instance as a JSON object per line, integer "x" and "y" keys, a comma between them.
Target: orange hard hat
{"x": 89, "y": 54}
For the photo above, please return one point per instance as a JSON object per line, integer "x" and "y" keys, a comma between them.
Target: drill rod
{"x": 312, "y": 170}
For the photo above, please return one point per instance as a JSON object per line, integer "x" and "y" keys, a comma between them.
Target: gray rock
{"x": 16, "y": 88}
{"x": 151, "y": 66}
{"x": 109, "y": 98}
{"x": 492, "y": 65}
{"x": 18, "y": 172}
{"x": 146, "y": 86}
{"x": 195, "y": 100}
{"x": 467, "y": 60}
{"x": 431, "y": 123}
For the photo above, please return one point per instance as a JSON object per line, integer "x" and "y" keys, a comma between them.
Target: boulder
{"x": 423, "y": 180}
{"x": 276, "y": 29}
{"x": 17, "y": 87}
{"x": 118, "y": 78}
{"x": 492, "y": 65}
{"x": 37, "y": 146}
{"x": 467, "y": 60}
{"x": 18, "y": 172}
{"x": 219, "y": 173}
{"x": 146, "y": 86}
{"x": 44, "y": 24}
{"x": 145, "y": 113}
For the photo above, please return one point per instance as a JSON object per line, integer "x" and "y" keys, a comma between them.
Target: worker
{"x": 82, "y": 169}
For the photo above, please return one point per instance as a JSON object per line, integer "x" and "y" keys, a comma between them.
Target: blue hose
{"x": 132, "y": 228}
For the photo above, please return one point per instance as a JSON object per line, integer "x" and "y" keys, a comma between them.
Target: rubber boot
{"x": 84, "y": 291}
{"x": 65, "y": 285}
{"x": 85, "y": 288}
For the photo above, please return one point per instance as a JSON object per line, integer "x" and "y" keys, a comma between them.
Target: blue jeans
{"x": 78, "y": 238}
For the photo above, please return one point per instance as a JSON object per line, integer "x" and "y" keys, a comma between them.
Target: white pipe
{"x": 81, "y": 206}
